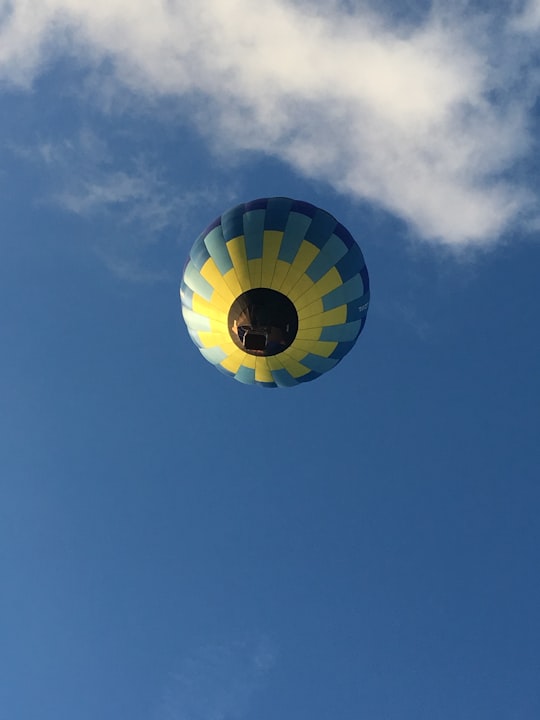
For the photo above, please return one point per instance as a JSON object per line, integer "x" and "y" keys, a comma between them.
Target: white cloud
{"x": 427, "y": 121}
{"x": 128, "y": 202}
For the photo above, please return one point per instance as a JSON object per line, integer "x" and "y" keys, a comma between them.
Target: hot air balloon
{"x": 275, "y": 292}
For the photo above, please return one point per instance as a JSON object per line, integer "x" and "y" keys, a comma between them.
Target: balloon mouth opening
{"x": 262, "y": 322}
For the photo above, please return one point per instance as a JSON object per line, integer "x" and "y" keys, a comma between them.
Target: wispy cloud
{"x": 426, "y": 119}
{"x": 218, "y": 682}
{"x": 137, "y": 203}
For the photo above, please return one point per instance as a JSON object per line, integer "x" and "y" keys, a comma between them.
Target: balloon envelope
{"x": 275, "y": 292}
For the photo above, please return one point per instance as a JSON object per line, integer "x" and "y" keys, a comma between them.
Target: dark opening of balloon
{"x": 263, "y": 322}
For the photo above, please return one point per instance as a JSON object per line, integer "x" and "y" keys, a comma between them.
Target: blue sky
{"x": 177, "y": 546}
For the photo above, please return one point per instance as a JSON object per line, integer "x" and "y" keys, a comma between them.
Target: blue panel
{"x": 214, "y": 355}
{"x": 330, "y": 254}
{"x": 253, "y": 233}
{"x": 277, "y": 213}
{"x": 318, "y": 363}
{"x": 197, "y": 322}
{"x": 341, "y": 333}
{"x": 309, "y": 376}
{"x": 210, "y": 227}
{"x": 232, "y": 223}
{"x": 217, "y": 248}
{"x": 353, "y": 289}
{"x": 196, "y": 282}
{"x": 267, "y": 384}
{"x": 245, "y": 375}
{"x": 199, "y": 253}
{"x": 295, "y": 231}
{"x": 365, "y": 277}
{"x": 351, "y": 263}
{"x": 259, "y": 204}
{"x": 322, "y": 226}
{"x": 357, "y": 309}
{"x": 342, "y": 349}
{"x": 284, "y": 378}
{"x": 305, "y": 208}
{"x": 345, "y": 235}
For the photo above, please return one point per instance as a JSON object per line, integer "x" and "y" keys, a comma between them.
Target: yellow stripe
{"x": 254, "y": 269}
{"x": 212, "y": 275}
{"x": 273, "y": 362}
{"x": 212, "y": 310}
{"x": 304, "y": 257}
{"x": 329, "y": 281}
{"x": 280, "y": 271}
{"x": 316, "y": 347}
{"x": 237, "y": 251}
{"x": 248, "y": 361}
{"x": 233, "y": 362}
{"x": 232, "y": 283}
{"x": 217, "y": 339}
{"x": 301, "y": 287}
{"x": 294, "y": 353}
{"x": 316, "y": 308}
{"x": 262, "y": 371}
{"x": 313, "y": 333}
{"x": 271, "y": 245}
{"x": 219, "y": 327}
{"x": 336, "y": 316}
{"x": 292, "y": 366}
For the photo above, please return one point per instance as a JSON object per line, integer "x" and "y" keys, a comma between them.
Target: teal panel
{"x": 330, "y": 254}
{"x": 197, "y": 322}
{"x": 217, "y": 248}
{"x": 197, "y": 283}
{"x": 318, "y": 363}
{"x": 295, "y": 231}
{"x": 214, "y": 355}
{"x": 284, "y": 378}
{"x": 199, "y": 253}
{"x": 341, "y": 333}
{"x": 321, "y": 227}
{"x": 351, "y": 290}
{"x": 253, "y": 233}
{"x": 245, "y": 375}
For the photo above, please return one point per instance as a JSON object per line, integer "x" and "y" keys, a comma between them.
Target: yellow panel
{"x": 280, "y": 272}
{"x": 248, "y": 360}
{"x": 330, "y": 281}
{"x": 237, "y": 251}
{"x": 294, "y": 353}
{"x": 254, "y": 268}
{"x": 337, "y": 316}
{"x": 211, "y": 310}
{"x": 262, "y": 372}
{"x": 313, "y": 333}
{"x": 232, "y": 282}
{"x": 304, "y": 257}
{"x": 233, "y": 362}
{"x": 271, "y": 246}
{"x": 316, "y": 308}
{"x": 292, "y": 366}
{"x": 212, "y": 275}
{"x": 303, "y": 284}
{"x": 228, "y": 347}
{"x": 219, "y": 327}
{"x": 274, "y": 363}
{"x": 211, "y": 339}
{"x": 317, "y": 347}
